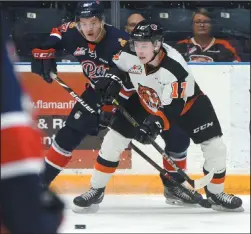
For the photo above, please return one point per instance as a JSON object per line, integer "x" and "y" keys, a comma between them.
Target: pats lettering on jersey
{"x": 93, "y": 70}
{"x": 95, "y": 58}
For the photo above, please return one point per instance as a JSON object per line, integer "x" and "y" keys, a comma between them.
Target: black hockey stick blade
{"x": 195, "y": 195}
{"x": 196, "y": 184}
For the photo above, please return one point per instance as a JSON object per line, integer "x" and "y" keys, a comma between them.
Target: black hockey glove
{"x": 152, "y": 126}
{"x": 107, "y": 113}
{"x": 43, "y": 62}
{"x": 108, "y": 87}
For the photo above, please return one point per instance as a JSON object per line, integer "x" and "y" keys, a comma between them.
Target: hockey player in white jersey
{"x": 167, "y": 95}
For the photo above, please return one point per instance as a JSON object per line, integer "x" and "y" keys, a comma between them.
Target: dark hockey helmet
{"x": 147, "y": 31}
{"x": 87, "y": 9}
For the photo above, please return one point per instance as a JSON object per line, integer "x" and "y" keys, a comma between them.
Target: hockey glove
{"x": 152, "y": 126}
{"x": 43, "y": 63}
{"x": 108, "y": 87}
{"x": 107, "y": 112}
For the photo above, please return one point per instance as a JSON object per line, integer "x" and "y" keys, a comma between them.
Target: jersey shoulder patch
{"x": 117, "y": 35}
{"x": 64, "y": 27}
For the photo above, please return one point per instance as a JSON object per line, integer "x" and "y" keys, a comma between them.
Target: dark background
{"x": 29, "y": 32}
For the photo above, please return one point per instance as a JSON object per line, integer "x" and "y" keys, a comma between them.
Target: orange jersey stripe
{"x": 55, "y": 31}
{"x": 189, "y": 104}
{"x": 218, "y": 180}
{"x": 183, "y": 41}
{"x": 104, "y": 169}
{"x": 228, "y": 46}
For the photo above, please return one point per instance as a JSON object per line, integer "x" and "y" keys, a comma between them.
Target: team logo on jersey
{"x": 149, "y": 96}
{"x": 191, "y": 50}
{"x": 200, "y": 58}
{"x": 154, "y": 26}
{"x": 92, "y": 54}
{"x": 80, "y": 51}
{"x": 77, "y": 114}
{"x": 122, "y": 42}
{"x": 64, "y": 27}
{"x": 92, "y": 70}
{"x": 135, "y": 69}
{"x": 116, "y": 56}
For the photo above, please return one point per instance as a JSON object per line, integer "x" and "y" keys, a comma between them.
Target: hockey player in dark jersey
{"x": 25, "y": 206}
{"x": 94, "y": 44}
{"x": 167, "y": 95}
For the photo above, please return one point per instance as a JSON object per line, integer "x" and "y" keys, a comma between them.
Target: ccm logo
{"x": 44, "y": 55}
{"x": 207, "y": 125}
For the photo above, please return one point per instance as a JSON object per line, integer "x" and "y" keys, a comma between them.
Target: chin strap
{"x": 155, "y": 53}
{"x": 100, "y": 33}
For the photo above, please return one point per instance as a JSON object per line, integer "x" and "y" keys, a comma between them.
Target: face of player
{"x": 144, "y": 50}
{"x": 201, "y": 25}
{"x": 91, "y": 27}
{"x": 132, "y": 21}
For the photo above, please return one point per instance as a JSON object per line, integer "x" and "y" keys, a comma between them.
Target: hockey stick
{"x": 196, "y": 184}
{"x": 195, "y": 196}
{"x": 72, "y": 93}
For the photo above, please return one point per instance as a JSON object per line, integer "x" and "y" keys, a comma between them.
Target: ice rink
{"x": 150, "y": 214}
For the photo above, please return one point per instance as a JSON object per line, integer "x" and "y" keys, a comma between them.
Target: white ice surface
{"x": 150, "y": 214}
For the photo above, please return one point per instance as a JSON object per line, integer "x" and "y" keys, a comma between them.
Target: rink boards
{"x": 226, "y": 85}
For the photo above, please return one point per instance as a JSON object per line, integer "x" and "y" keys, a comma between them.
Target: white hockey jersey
{"x": 163, "y": 90}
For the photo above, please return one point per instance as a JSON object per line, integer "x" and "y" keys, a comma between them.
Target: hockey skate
{"x": 175, "y": 196}
{"x": 89, "y": 201}
{"x": 225, "y": 202}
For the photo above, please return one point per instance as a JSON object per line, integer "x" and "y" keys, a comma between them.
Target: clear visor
{"x": 89, "y": 25}
{"x": 141, "y": 45}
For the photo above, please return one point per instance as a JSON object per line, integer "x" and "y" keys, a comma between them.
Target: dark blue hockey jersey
{"x": 95, "y": 58}
{"x": 22, "y": 209}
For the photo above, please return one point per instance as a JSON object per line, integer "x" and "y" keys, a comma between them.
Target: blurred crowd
{"x": 201, "y": 31}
